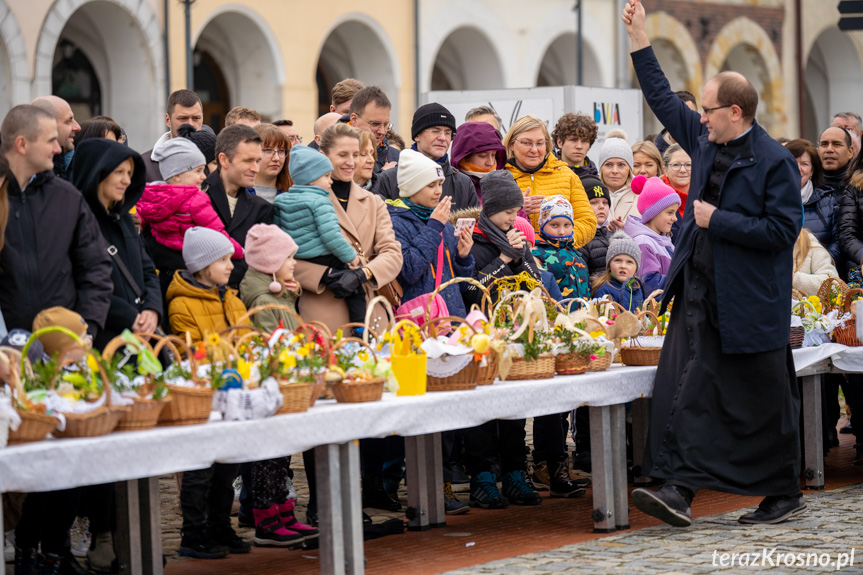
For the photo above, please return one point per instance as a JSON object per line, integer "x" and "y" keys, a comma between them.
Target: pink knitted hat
{"x": 653, "y": 196}
{"x": 526, "y": 228}
{"x": 267, "y": 247}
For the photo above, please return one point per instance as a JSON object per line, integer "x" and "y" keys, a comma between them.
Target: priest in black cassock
{"x": 725, "y": 411}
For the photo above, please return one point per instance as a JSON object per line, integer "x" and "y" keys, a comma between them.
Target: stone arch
{"x": 558, "y": 64}
{"x": 677, "y": 54}
{"x": 133, "y": 78}
{"x": 356, "y": 46}
{"x": 834, "y": 80}
{"x": 744, "y": 46}
{"x": 237, "y": 45}
{"x": 14, "y": 74}
{"x": 554, "y": 43}
{"x": 451, "y": 71}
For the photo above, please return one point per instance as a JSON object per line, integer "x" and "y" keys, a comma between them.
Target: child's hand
{"x": 516, "y": 239}
{"x": 615, "y": 224}
{"x": 292, "y": 285}
{"x": 443, "y": 209}
{"x": 355, "y": 263}
{"x": 465, "y": 242}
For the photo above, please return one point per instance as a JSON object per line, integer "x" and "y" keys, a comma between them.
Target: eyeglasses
{"x": 282, "y": 153}
{"x": 677, "y": 167}
{"x": 437, "y": 132}
{"x": 706, "y": 111}
{"x": 376, "y": 125}
{"x": 538, "y": 145}
{"x": 296, "y": 139}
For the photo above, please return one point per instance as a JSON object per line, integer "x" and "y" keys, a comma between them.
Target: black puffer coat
{"x": 593, "y": 252}
{"x": 95, "y": 159}
{"x": 851, "y": 226}
{"x": 821, "y": 217}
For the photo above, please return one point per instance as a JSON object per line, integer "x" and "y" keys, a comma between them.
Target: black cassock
{"x": 720, "y": 421}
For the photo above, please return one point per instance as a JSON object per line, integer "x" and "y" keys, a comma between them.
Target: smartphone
{"x": 463, "y": 223}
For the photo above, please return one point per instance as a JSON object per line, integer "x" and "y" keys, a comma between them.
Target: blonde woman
{"x": 540, "y": 174}
{"x": 615, "y": 171}
{"x": 812, "y": 264}
{"x": 646, "y": 160}
{"x": 365, "y": 175}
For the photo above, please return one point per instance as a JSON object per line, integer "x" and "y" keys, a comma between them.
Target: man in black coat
{"x": 53, "y": 255}
{"x": 836, "y": 150}
{"x": 183, "y": 107}
{"x": 726, "y": 406}
{"x": 432, "y": 130}
{"x": 370, "y": 111}
{"x": 231, "y": 188}
{"x": 67, "y": 128}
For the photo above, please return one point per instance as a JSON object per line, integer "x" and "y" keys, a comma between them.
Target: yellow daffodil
{"x": 363, "y": 355}
{"x": 92, "y": 363}
{"x": 245, "y": 368}
{"x": 303, "y": 351}
{"x": 213, "y": 339}
{"x": 289, "y": 362}
{"x": 596, "y": 333}
{"x": 816, "y": 302}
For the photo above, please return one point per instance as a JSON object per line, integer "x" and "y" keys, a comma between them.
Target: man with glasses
{"x": 432, "y": 130}
{"x": 287, "y": 126}
{"x": 726, "y": 407}
{"x": 370, "y": 112}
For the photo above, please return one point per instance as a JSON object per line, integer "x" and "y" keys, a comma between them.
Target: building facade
{"x": 281, "y": 58}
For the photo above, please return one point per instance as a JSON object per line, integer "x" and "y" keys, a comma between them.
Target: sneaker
{"x": 581, "y": 460}
{"x": 202, "y": 547}
{"x": 581, "y": 478}
{"x": 537, "y": 479}
{"x": 452, "y": 506}
{"x": 459, "y": 477}
{"x": 775, "y": 509}
{"x": 80, "y": 537}
{"x": 101, "y": 558}
{"x": 666, "y": 504}
{"x": 515, "y": 488}
{"x": 229, "y": 538}
{"x": 561, "y": 485}
{"x": 484, "y": 492}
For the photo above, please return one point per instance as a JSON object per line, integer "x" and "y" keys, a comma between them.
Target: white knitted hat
{"x": 615, "y": 148}
{"x": 416, "y": 171}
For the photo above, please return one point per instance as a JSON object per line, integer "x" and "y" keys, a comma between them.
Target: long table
{"x": 136, "y": 459}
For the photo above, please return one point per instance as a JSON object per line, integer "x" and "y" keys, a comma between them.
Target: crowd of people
{"x": 189, "y": 235}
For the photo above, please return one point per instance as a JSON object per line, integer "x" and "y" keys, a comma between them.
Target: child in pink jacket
{"x": 171, "y": 207}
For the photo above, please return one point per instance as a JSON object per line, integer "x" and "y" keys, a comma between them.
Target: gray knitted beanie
{"x": 622, "y": 244}
{"x": 203, "y": 246}
{"x": 500, "y": 193}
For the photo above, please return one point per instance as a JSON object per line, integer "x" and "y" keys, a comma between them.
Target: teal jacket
{"x": 307, "y": 215}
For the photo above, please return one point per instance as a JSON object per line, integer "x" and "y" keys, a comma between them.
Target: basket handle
{"x": 650, "y": 315}
{"x": 431, "y": 327}
{"x": 172, "y": 342}
{"x": 532, "y": 283}
{"x": 10, "y": 357}
{"x": 247, "y": 318}
{"x": 484, "y": 302}
{"x": 344, "y": 340}
{"x": 846, "y": 307}
{"x": 824, "y": 292}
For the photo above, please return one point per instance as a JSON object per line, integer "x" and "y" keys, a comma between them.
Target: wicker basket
{"x": 797, "y": 335}
{"x": 847, "y": 334}
{"x": 34, "y": 426}
{"x": 488, "y": 373}
{"x": 571, "y": 363}
{"x": 464, "y": 380}
{"x": 295, "y": 397}
{"x": 359, "y": 391}
{"x": 319, "y": 388}
{"x": 189, "y": 405}
{"x": 602, "y": 362}
{"x": 144, "y": 412}
{"x": 639, "y": 355}
{"x": 540, "y": 368}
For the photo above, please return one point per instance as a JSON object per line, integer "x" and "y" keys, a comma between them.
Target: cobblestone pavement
{"x": 831, "y": 529}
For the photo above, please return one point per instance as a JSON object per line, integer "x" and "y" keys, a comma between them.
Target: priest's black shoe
{"x": 667, "y": 504}
{"x": 775, "y": 509}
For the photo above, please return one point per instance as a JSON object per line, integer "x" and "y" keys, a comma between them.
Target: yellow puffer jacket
{"x": 555, "y": 177}
{"x": 201, "y": 311}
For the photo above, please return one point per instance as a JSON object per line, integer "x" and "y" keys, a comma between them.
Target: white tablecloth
{"x": 58, "y": 464}
{"x": 849, "y": 359}
{"x": 807, "y": 356}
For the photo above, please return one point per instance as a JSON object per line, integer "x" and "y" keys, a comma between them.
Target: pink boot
{"x": 286, "y": 512}
{"x": 271, "y": 532}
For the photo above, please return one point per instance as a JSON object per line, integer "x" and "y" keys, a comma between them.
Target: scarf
{"x": 806, "y": 191}
{"x": 498, "y": 237}
{"x": 556, "y": 241}
{"x": 443, "y": 161}
{"x": 422, "y": 212}
{"x": 512, "y": 162}
{"x": 473, "y": 170}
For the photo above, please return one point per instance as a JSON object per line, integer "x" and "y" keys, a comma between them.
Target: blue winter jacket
{"x": 821, "y": 217}
{"x": 753, "y": 230}
{"x": 420, "y": 242}
{"x": 307, "y": 215}
{"x": 629, "y": 295}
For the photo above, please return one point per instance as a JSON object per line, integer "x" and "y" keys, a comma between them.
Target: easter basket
{"x": 846, "y": 334}
{"x": 640, "y": 355}
{"x": 467, "y": 375}
{"x": 189, "y": 405}
{"x": 35, "y": 425}
{"x": 144, "y": 412}
{"x": 358, "y": 390}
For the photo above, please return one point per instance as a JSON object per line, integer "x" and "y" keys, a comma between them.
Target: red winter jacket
{"x": 170, "y": 210}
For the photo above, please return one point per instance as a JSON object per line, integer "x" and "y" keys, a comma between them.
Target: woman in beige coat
{"x": 365, "y": 223}
{"x": 812, "y": 264}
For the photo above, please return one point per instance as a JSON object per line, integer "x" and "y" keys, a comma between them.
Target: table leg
{"x": 417, "y": 481}
{"x": 601, "y": 468}
{"x": 812, "y": 433}
{"x": 352, "y": 508}
{"x": 2, "y": 534}
{"x": 330, "y": 517}
{"x": 151, "y": 525}
{"x": 128, "y": 541}
{"x": 618, "y": 466}
{"x": 640, "y": 425}
{"x": 434, "y": 468}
